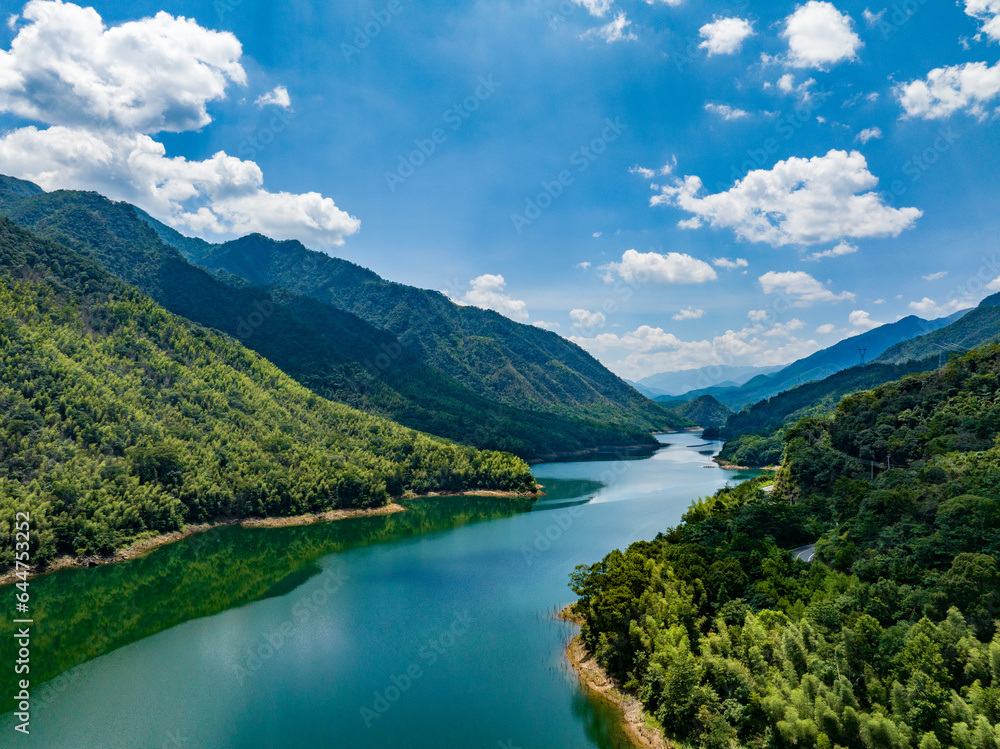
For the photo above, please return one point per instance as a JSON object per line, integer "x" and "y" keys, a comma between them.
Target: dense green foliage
{"x": 705, "y": 411}
{"x": 888, "y": 640}
{"x": 121, "y": 420}
{"x": 754, "y": 436}
{"x": 331, "y": 351}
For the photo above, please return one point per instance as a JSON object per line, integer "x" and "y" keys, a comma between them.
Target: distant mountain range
{"x": 410, "y": 355}
{"x": 842, "y": 355}
{"x": 685, "y": 381}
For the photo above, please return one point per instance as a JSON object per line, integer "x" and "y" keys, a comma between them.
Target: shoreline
{"x": 596, "y": 681}
{"x": 148, "y": 545}
{"x": 734, "y": 467}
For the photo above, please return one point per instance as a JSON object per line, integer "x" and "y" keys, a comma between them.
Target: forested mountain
{"x": 334, "y": 352}
{"x": 754, "y": 435}
{"x": 122, "y": 420}
{"x": 888, "y": 640}
{"x": 705, "y": 411}
{"x": 977, "y": 328}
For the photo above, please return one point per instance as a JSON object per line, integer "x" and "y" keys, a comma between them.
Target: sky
{"x": 670, "y": 184}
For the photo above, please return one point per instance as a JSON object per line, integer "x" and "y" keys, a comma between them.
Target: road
{"x": 805, "y": 553}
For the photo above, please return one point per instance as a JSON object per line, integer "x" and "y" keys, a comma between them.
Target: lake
{"x": 425, "y": 629}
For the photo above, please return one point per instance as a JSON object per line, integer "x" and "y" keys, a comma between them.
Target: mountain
{"x": 754, "y": 436}
{"x": 977, "y": 328}
{"x": 882, "y": 632}
{"x": 715, "y": 376}
{"x": 122, "y": 420}
{"x": 345, "y": 358}
{"x": 705, "y": 411}
{"x": 841, "y": 355}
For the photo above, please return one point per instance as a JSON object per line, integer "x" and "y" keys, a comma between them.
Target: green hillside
{"x": 754, "y": 435}
{"x": 122, "y": 420}
{"x": 333, "y": 352}
{"x": 978, "y": 328}
{"x": 887, "y": 640}
{"x": 705, "y": 411}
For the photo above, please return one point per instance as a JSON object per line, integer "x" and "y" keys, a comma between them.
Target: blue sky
{"x": 845, "y": 157}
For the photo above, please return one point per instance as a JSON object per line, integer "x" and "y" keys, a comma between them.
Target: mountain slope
{"x": 334, "y": 353}
{"x": 977, "y": 328}
{"x": 715, "y": 376}
{"x": 512, "y": 363}
{"x": 705, "y": 411}
{"x": 122, "y": 420}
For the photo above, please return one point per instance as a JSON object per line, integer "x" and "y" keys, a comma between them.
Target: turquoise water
{"x": 431, "y": 628}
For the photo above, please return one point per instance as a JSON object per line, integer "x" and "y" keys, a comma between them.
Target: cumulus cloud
{"x": 615, "y": 31}
{"x": 105, "y": 91}
{"x": 843, "y": 248}
{"x": 798, "y": 201}
{"x": 800, "y": 288}
{"x": 758, "y": 315}
{"x": 862, "y": 321}
{"x": 988, "y": 12}
{"x": 650, "y": 349}
{"x": 820, "y": 36}
{"x": 929, "y": 308}
{"x": 935, "y": 276}
{"x": 689, "y": 313}
{"x": 869, "y": 133}
{"x": 583, "y": 265}
{"x": 598, "y": 8}
{"x": 586, "y": 319}
{"x": 873, "y": 19}
{"x": 725, "y": 111}
{"x": 725, "y": 36}
{"x": 546, "y": 325}
{"x": 972, "y": 87}
{"x": 486, "y": 292}
{"x": 277, "y": 98}
{"x": 826, "y": 329}
{"x": 725, "y": 262}
{"x": 654, "y": 268}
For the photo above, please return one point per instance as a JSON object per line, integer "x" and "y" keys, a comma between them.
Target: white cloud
{"x": 862, "y": 321}
{"x": 935, "y": 276}
{"x": 994, "y": 285}
{"x": 987, "y": 11}
{"x": 546, "y": 325}
{"x": 798, "y": 201}
{"x": 486, "y": 292}
{"x": 873, "y": 19}
{"x": 689, "y": 313}
{"x": 725, "y": 262}
{"x": 724, "y": 36}
{"x": 725, "y": 111}
{"x": 597, "y": 8}
{"x": 826, "y": 329}
{"x": 971, "y": 87}
{"x": 758, "y": 315}
{"x": 278, "y": 97}
{"x": 879, "y": 301}
{"x": 105, "y": 91}
{"x": 786, "y": 83}
{"x": 801, "y": 288}
{"x": 820, "y": 36}
{"x": 584, "y": 265}
{"x": 615, "y": 31}
{"x": 843, "y": 248}
{"x": 65, "y": 67}
{"x": 650, "y": 173}
{"x": 595, "y": 235}
{"x": 586, "y": 319}
{"x": 650, "y": 350}
{"x": 929, "y": 307}
{"x": 654, "y": 268}
{"x": 220, "y": 196}
{"x": 869, "y": 133}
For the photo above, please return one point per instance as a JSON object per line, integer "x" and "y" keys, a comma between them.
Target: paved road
{"x": 805, "y": 553}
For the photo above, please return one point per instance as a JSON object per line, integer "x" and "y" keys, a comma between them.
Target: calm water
{"x": 426, "y": 629}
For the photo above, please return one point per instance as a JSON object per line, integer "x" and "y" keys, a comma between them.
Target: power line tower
{"x": 861, "y": 353}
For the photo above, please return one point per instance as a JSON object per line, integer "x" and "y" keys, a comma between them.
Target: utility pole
{"x": 861, "y": 353}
